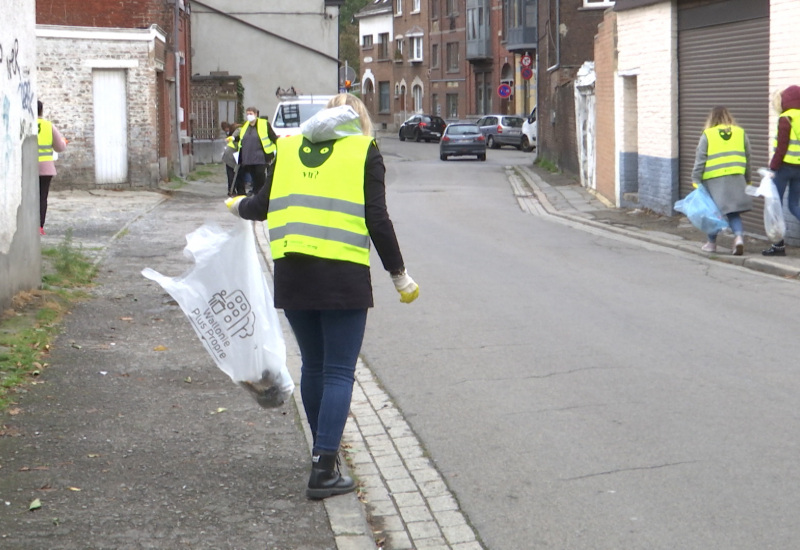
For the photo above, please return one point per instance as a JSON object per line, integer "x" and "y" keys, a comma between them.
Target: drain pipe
{"x": 178, "y": 88}
{"x": 558, "y": 39}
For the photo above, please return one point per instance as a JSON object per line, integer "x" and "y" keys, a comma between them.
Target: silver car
{"x": 502, "y": 130}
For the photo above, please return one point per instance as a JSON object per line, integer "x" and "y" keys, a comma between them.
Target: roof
{"x": 375, "y": 7}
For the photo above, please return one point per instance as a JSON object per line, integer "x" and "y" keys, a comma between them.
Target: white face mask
{"x": 251, "y": 118}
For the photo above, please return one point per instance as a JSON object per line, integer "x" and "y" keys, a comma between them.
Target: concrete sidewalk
{"x": 543, "y": 193}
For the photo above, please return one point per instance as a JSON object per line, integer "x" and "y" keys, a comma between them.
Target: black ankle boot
{"x": 325, "y": 480}
{"x": 778, "y": 249}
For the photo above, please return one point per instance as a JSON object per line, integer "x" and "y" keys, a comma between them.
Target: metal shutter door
{"x": 725, "y": 65}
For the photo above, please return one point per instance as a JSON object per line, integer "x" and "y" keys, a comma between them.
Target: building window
{"x": 434, "y": 7}
{"x": 366, "y": 42}
{"x": 416, "y": 49}
{"x": 474, "y": 23}
{"x": 398, "y": 48}
{"x": 416, "y": 92}
{"x": 452, "y": 57}
{"x": 452, "y": 8}
{"x": 435, "y": 56}
{"x": 383, "y": 45}
{"x": 384, "y": 103}
{"x": 452, "y": 105}
{"x": 415, "y": 6}
{"x": 398, "y": 7}
{"x": 598, "y": 3}
{"x": 436, "y": 109}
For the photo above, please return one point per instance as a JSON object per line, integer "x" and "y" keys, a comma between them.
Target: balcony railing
{"x": 521, "y": 39}
{"x": 479, "y": 48}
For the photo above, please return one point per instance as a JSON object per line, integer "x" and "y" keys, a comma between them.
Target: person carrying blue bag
{"x": 722, "y": 166}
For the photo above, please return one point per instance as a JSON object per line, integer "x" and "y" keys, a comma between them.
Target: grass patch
{"x": 547, "y": 165}
{"x": 29, "y": 326}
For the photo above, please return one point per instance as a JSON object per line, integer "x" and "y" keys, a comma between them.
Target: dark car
{"x": 462, "y": 138}
{"x": 419, "y": 127}
{"x": 502, "y": 130}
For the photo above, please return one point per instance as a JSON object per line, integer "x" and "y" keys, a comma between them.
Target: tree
{"x": 349, "y": 47}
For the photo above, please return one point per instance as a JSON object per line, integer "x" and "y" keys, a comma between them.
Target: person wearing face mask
{"x": 256, "y": 151}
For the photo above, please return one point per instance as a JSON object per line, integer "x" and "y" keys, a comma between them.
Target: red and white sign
{"x": 526, "y": 60}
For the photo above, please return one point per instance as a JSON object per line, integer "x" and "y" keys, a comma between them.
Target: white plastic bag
{"x": 774, "y": 223}
{"x": 229, "y": 305}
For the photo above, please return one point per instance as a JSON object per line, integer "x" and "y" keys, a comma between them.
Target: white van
{"x": 529, "y": 132}
{"x": 292, "y": 111}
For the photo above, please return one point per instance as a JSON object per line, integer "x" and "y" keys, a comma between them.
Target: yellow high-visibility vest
{"x": 316, "y": 203}
{"x": 792, "y": 155}
{"x": 726, "y": 152}
{"x": 45, "y": 140}
{"x": 263, "y": 133}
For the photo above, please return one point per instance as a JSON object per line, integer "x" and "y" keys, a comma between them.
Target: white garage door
{"x": 110, "y": 126}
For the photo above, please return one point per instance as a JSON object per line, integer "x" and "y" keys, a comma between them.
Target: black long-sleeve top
{"x": 308, "y": 282}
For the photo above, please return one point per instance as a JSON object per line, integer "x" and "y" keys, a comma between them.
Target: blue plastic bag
{"x": 702, "y": 211}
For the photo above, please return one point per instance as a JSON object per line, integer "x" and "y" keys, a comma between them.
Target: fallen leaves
{"x": 35, "y": 505}
{"x": 160, "y": 348}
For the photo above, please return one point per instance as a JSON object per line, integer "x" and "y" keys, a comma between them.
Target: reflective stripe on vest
{"x": 45, "y": 140}
{"x": 263, "y": 133}
{"x": 316, "y": 203}
{"x": 792, "y": 155}
{"x": 725, "y": 156}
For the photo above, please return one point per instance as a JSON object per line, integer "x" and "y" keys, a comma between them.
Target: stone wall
{"x": 67, "y": 58}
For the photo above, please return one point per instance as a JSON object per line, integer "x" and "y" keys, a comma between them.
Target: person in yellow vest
{"x": 785, "y": 162}
{"x": 50, "y": 141}
{"x": 325, "y": 203}
{"x": 722, "y": 165}
{"x": 256, "y": 151}
{"x": 228, "y": 156}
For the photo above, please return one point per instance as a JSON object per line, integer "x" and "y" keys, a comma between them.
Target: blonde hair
{"x": 720, "y": 116}
{"x": 777, "y": 101}
{"x": 358, "y": 106}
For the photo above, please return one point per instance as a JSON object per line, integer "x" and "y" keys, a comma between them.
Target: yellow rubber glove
{"x": 233, "y": 204}
{"x": 405, "y": 285}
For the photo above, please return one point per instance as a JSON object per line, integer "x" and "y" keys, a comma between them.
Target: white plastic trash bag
{"x": 774, "y": 223}
{"x": 226, "y": 298}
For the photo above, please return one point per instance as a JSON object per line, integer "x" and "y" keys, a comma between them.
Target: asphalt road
{"x": 579, "y": 390}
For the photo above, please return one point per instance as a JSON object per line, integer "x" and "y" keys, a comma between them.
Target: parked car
{"x": 502, "y": 130}
{"x": 292, "y": 111}
{"x": 529, "y": 132}
{"x": 419, "y": 127}
{"x": 462, "y": 138}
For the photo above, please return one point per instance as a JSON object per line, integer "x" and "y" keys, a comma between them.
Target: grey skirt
{"x": 728, "y": 193}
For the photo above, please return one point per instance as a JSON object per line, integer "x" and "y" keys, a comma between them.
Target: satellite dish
{"x": 346, "y": 73}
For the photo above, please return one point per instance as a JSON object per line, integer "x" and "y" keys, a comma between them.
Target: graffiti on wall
{"x": 18, "y": 120}
{"x": 9, "y": 56}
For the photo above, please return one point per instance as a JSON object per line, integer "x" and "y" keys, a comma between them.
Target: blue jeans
{"x": 789, "y": 174}
{"x": 330, "y": 341}
{"x": 735, "y": 220}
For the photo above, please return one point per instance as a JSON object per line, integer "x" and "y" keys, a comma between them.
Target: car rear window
{"x": 291, "y": 115}
{"x": 463, "y": 129}
{"x": 513, "y": 121}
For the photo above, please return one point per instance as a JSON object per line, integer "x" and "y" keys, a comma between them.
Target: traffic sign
{"x": 526, "y": 73}
{"x": 526, "y": 60}
{"x": 504, "y": 90}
